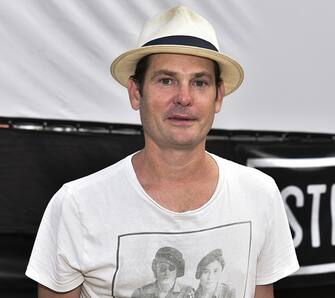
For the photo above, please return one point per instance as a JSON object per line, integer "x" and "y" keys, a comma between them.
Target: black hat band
{"x": 184, "y": 40}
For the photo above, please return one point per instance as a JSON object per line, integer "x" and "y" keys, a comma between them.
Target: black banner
{"x": 305, "y": 175}
{"x": 37, "y": 157}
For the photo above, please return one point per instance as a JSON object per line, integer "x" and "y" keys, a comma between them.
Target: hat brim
{"x": 231, "y": 72}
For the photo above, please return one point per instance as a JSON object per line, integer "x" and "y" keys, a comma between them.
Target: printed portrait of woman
{"x": 209, "y": 274}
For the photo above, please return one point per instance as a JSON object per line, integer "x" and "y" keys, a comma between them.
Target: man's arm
{"x": 44, "y": 292}
{"x": 265, "y": 291}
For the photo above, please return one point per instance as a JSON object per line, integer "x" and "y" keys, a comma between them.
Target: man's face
{"x": 166, "y": 274}
{"x": 210, "y": 275}
{"x": 179, "y": 100}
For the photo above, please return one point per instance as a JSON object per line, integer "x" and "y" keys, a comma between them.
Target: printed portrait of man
{"x": 167, "y": 266}
{"x": 209, "y": 274}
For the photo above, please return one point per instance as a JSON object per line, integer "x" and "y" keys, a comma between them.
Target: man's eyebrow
{"x": 165, "y": 72}
{"x": 203, "y": 74}
{"x": 173, "y": 73}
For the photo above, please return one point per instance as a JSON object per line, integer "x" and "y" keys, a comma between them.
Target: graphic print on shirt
{"x": 205, "y": 263}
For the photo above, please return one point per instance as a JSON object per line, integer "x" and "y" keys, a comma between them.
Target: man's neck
{"x": 171, "y": 164}
{"x": 178, "y": 180}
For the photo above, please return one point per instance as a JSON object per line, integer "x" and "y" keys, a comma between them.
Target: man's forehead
{"x": 174, "y": 62}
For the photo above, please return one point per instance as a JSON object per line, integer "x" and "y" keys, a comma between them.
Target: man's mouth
{"x": 181, "y": 119}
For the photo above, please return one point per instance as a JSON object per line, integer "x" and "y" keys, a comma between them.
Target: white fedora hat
{"x": 178, "y": 30}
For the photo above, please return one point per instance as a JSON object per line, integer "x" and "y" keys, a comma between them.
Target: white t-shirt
{"x": 103, "y": 231}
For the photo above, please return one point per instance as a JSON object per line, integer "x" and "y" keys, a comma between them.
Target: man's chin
{"x": 185, "y": 140}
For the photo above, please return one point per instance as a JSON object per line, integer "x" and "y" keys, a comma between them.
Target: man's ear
{"x": 134, "y": 94}
{"x": 219, "y": 97}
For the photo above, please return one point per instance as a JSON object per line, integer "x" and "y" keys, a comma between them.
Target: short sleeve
{"x": 277, "y": 258}
{"x": 56, "y": 257}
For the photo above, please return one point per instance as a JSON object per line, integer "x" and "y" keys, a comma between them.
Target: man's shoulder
{"x": 105, "y": 175}
{"x": 95, "y": 185}
{"x": 234, "y": 168}
{"x": 145, "y": 291}
{"x": 242, "y": 174}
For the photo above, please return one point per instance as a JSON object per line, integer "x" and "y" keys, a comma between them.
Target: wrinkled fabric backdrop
{"x": 55, "y": 57}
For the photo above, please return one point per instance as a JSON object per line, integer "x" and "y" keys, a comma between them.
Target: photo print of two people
{"x": 198, "y": 266}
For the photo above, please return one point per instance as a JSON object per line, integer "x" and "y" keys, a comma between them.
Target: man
{"x": 97, "y": 230}
{"x": 209, "y": 271}
{"x": 167, "y": 266}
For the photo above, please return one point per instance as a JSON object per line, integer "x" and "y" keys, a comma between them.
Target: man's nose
{"x": 184, "y": 96}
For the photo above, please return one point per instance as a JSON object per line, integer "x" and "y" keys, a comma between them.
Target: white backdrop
{"x": 55, "y": 57}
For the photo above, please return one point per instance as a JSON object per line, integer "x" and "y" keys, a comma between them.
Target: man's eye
{"x": 200, "y": 83}
{"x": 166, "y": 81}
